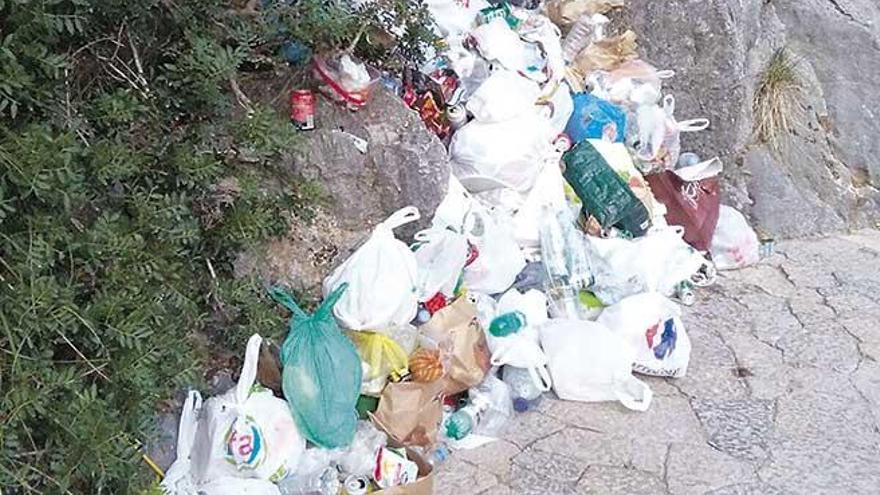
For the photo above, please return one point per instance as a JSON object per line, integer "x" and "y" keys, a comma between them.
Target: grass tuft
{"x": 778, "y": 101}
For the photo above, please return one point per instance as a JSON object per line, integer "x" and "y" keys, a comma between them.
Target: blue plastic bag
{"x": 322, "y": 373}
{"x": 595, "y": 118}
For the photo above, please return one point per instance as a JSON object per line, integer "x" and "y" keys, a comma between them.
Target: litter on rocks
{"x": 573, "y": 228}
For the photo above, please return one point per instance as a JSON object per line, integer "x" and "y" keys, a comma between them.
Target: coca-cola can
{"x": 302, "y": 109}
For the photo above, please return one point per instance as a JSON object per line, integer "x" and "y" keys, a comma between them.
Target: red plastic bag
{"x": 692, "y": 197}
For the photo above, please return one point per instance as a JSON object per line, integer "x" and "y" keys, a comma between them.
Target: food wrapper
{"x": 394, "y": 469}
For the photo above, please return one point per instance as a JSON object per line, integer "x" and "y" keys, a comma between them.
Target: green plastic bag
{"x": 322, "y": 373}
{"x": 604, "y": 194}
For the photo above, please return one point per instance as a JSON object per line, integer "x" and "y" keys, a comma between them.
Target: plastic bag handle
{"x": 665, "y": 74}
{"x": 186, "y": 431}
{"x": 248, "y": 369}
{"x": 282, "y": 297}
{"x": 402, "y": 216}
{"x": 327, "y": 306}
{"x": 693, "y": 125}
{"x": 669, "y": 105}
{"x": 630, "y": 401}
{"x": 541, "y": 378}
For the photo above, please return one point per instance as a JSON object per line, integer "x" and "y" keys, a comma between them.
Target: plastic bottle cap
{"x": 520, "y": 404}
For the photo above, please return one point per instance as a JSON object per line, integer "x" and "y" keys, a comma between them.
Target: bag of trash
{"x": 246, "y": 432}
{"x": 509, "y": 152}
{"x": 452, "y": 17}
{"x": 382, "y": 356}
{"x": 595, "y": 118}
{"x": 462, "y": 343}
{"x": 381, "y": 262}
{"x": 604, "y": 194}
{"x": 178, "y": 477}
{"x": 522, "y": 349}
{"x": 735, "y": 244}
{"x": 590, "y": 363}
{"x": 504, "y": 96}
{"x": 410, "y": 412}
{"x": 692, "y": 196}
{"x": 635, "y": 83}
{"x": 659, "y": 142}
{"x": 565, "y": 12}
{"x": 322, "y": 372}
{"x": 605, "y": 54}
{"x": 441, "y": 254}
{"x": 659, "y": 261}
{"x": 651, "y": 324}
{"x": 499, "y": 259}
{"x": 344, "y": 80}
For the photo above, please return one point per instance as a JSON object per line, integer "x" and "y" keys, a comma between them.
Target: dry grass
{"x": 778, "y": 101}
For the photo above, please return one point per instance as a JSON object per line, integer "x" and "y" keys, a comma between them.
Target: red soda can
{"x": 302, "y": 109}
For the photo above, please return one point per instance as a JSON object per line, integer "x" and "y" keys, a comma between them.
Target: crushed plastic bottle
{"x": 553, "y": 247}
{"x": 587, "y": 29}
{"x": 522, "y": 388}
{"x": 325, "y": 483}
{"x": 487, "y": 411}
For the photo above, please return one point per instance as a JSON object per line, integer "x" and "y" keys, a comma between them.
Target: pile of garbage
{"x": 572, "y": 230}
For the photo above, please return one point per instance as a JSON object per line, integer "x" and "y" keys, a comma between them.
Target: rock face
{"x": 404, "y": 163}
{"x": 823, "y": 176}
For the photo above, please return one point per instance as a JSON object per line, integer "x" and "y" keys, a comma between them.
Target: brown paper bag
{"x": 424, "y": 485}
{"x": 606, "y": 54}
{"x": 462, "y": 344}
{"x": 410, "y": 413}
{"x": 564, "y": 13}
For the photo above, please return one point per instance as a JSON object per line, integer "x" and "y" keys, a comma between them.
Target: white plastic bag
{"x": 246, "y": 432}
{"x": 499, "y": 259}
{"x": 523, "y": 348}
{"x": 590, "y": 363}
{"x": 381, "y": 276}
{"x": 658, "y": 261}
{"x": 660, "y": 133}
{"x": 734, "y": 244}
{"x": 178, "y": 478}
{"x": 454, "y": 17}
{"x": 505, "y": 95}
{"x": 440, "y": 254}
{"x": 510, "y": 152}
{"x": 651, "y": 324}
{"x": 549, "y": 189}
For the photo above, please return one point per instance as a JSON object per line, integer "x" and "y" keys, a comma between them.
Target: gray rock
{"x": 820, "y": 178}
{"x": 405, "y": 164}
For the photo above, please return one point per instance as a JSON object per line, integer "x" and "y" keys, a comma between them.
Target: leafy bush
{"x": 124, "y": 196}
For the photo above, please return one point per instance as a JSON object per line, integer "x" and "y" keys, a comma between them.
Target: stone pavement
{"x": 782, "y": 396}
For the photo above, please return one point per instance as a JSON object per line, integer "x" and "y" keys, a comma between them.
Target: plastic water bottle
{"x": 553, "y": 246}
{"x": 576, "y": 258}
{"x": 522, "y": 388}
{"x": 462, "y": 422}
{"x": 508, "y": 323}
{"x": 587, "y": 29}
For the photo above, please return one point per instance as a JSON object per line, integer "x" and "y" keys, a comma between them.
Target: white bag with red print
{"x": 734, "y": 244}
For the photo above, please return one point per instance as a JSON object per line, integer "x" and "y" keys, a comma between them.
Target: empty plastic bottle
{"x": 553, "y": 247}
{"x": 508, "y": 323}
{"x": 462, "y": 422}
{"x": 326, "y": 483}
{"x": 576, "y": 258}
{"x": 522, "y": 388}
{"x": 587, "y": 29}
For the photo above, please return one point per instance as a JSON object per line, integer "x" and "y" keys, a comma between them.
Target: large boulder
{"x": 824, "y": 175}
{"x": 404, "y": 164}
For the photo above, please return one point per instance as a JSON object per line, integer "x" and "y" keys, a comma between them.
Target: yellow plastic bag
{"x": 381, "y": 353}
